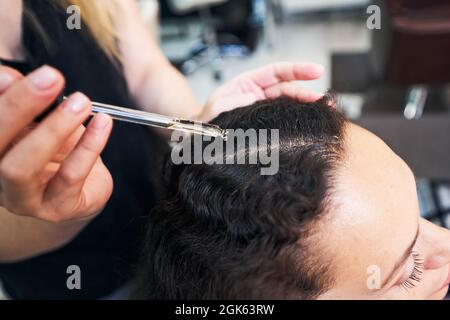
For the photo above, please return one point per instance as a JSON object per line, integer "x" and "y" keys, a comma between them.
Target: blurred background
{"x": 388, "y": 61}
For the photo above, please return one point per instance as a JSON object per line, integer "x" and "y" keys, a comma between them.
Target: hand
{"x": 268, "y": 82}
{"x": 52, "y": 170}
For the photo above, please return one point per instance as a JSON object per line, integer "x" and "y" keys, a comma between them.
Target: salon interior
{"x": 389, "y": 68}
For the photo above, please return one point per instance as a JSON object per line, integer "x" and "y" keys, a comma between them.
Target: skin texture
{"x": 374, "y": 219}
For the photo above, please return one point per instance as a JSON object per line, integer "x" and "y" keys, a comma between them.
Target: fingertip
{"x": 319, "y": 70}
{"x": 316, "y": 96}
{"x": 310, "y": 71}
{"x": 316, "y": 71}
{"x": 101, "y": 122}
{"x": 7, "y": 77}
{"x": 98, "y": 132}
{"x": 77, "y": 103}
{"x": 44, "y": 79}
{"x": 59, "y": 76}
{"x": 308, "y": 96}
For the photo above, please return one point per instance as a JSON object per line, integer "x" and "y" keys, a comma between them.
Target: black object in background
{"x": 234, "y": 18}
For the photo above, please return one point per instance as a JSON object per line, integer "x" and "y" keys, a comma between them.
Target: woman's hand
{"x": 52, "y": 170}
{"x": 268, "y": 82}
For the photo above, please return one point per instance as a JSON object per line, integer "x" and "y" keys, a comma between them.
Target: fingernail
{"x": 100, "y": 122}
{"x": 43, "y": 78}
{"x": 5, "y": 80}
{"x": 76, "y": 103}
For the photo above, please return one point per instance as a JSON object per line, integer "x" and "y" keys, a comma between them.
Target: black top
{"x": 106, "y": 249}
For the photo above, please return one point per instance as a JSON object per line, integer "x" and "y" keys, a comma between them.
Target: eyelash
{"x": 416, "y": 274}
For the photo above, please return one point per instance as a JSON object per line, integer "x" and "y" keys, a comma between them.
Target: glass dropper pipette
{"x": 158, "y": 120}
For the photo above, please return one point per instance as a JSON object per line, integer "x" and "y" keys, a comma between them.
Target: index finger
{"x": 25, "y": 99}
{"x": 275, "y": 73}
{"x": 7, "y": 77}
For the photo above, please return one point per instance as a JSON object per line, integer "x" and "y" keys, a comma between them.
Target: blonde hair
{"x": 98, "y": 16}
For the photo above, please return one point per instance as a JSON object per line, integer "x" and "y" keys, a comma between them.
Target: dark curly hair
{"x": 228, "y": 232}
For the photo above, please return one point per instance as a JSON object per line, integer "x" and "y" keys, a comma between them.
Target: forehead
{"x": 375, "y": 211}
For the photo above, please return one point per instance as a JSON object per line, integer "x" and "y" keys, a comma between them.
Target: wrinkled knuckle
{"x": 12, "y": 72}
{"x": 89, "y": 146}
{"x": 55, "y": 130}
{"x": 70, "y": 177}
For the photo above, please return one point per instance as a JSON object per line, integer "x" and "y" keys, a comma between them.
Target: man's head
{"x": 342, "y": 203}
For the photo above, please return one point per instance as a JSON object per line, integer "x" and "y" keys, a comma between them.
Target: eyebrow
{"x": 402, "y": 260}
